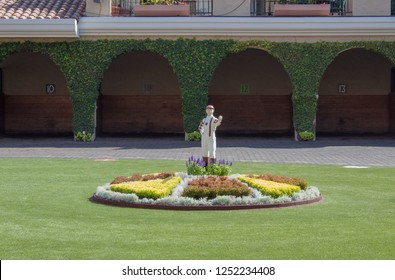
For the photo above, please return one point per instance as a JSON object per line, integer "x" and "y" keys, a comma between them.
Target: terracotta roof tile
{"x": 41, "y": 9}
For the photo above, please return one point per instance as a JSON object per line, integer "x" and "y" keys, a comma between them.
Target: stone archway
{"x": 140, "y": 94}
{"x": 252, "y": 91}
{"x": 354, "y": 94}
{"x": 35, "y": 97}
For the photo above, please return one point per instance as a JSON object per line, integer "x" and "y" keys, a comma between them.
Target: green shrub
{"x": 83, "y": 136}
{"x": 306, "y": 136}
{"x": 219, "y": 169}
{"x": 194, "y": 136}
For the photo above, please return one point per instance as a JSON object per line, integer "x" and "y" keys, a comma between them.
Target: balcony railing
{"x": 258, "y": 7}
{"x": 266, "y": 7}
{"x": 197, "y": 7}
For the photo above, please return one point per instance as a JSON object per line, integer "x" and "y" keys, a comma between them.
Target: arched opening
{"x": 354, "y": 94}
{"x": 140, "y": 94}
{"x": 34, "y": 96}
{"x": 252, "y": 91}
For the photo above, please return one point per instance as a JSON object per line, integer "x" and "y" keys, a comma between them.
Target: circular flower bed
{"x": 180, "y": 191}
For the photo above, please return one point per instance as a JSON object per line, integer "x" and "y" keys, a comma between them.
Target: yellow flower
{"x": 271, "y": 188}
{"x": 155, "y": 189}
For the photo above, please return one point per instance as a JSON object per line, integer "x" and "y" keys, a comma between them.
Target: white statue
{"x": 207, "y": 129}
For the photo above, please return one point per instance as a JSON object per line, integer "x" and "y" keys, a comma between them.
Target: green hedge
{"x": 194, "y": 62}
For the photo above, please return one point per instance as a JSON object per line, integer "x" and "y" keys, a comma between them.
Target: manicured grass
{"x": 46, "y": 214}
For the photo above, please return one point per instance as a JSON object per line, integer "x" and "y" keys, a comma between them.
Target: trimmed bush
{"x": 271, "y": 188}
{"x": 83, "y": 136}
{"x": 138, "y": 177}
{"x": 196, "y": 166}
{"x": 306, "y": 136}
{"x": 156, "y": 188}
{"x": 211, "y": 187}
{"x": 220, "y": 168}
{"x": 194, "y": 136}
{"x": 302, "y": 183}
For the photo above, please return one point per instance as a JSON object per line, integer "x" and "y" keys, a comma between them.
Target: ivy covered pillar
{"x": 83, "y": 64}
{"x": 193, "y": 102}
{"x": 305, "y": 86}
{"x": 84, "y": 91}
{"x": 388, "y": 50}
{"x": 194, "y": 63}
{"x": 304, "y": 116}
{"x": 84, "y": 115}
{"x": 305, "y": 63}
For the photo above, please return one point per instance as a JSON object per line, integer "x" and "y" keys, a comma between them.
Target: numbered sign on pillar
{"x": 50, "y": 88}
{"x": 342, "y": 88}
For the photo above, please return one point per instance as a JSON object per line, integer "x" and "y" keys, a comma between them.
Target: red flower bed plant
{"x": 138, "y": 177}
{"x": 213, "y": 186}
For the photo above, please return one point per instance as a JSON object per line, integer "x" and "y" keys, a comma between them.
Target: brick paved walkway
{"x": 324, "y": 151}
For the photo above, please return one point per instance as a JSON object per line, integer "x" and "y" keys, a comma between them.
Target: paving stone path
{"x": 357, "y": 152}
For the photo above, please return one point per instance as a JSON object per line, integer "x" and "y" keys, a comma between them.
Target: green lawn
{"x": 46, "y": 214}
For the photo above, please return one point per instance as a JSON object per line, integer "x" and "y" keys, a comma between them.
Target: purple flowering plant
{"x": 196, "y": 166}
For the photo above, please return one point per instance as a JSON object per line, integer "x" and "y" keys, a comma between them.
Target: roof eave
{"x": 38, "y": 28}
{"x": 237, "y": 27}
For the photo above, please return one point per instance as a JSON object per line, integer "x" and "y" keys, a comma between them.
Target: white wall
{"x": 231, "y": 7}
{"x": 98, "y": 9}
{"x": 371, "y": 8}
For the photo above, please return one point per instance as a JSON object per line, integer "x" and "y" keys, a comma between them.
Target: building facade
{"x": 78, "y": 66}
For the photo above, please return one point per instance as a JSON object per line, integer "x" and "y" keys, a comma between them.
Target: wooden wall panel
{"x": 141, "y": 114}
{"x": 38, "y": 114}
{"x": 392, "y": 112}
{"x": 249, "y": 114}
{"x": 353, "y": 114}
{"x": 257, "y": 69}
{"x": 1, "y": 113}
